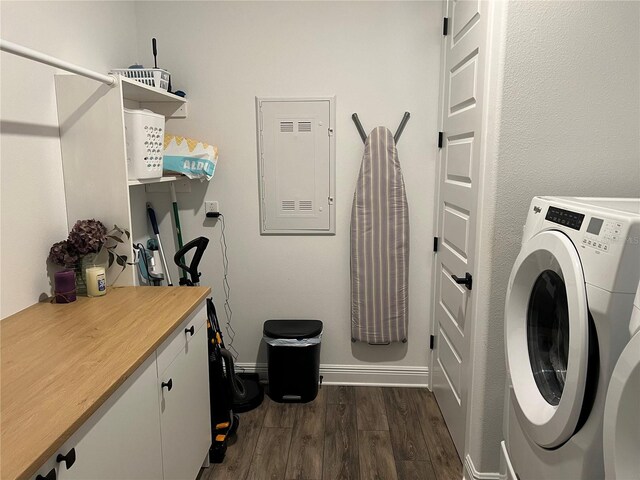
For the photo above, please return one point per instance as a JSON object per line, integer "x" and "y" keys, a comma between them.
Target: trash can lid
{"x": 292, "y": 328}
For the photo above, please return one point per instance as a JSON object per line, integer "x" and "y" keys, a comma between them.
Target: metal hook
{"x": 403, "y": 124}
{"x": 356, "y": 120}
{"x": 396, "y": 137}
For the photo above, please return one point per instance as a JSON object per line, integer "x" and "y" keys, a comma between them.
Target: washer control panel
{"x": 601, "y": 233}
{"x": 565, "y": 217}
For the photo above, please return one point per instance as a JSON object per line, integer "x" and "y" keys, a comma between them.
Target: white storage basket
{"x": 144, "y": 136}
{"x": 154, "y": 77}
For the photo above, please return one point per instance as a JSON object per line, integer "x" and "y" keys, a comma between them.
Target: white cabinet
{"x": 185, "y": 416}
{"x": 122, "y": 439}
{"x": 144, "y": 430}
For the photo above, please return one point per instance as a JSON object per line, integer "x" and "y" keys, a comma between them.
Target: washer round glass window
{"x": 548, "y": 335}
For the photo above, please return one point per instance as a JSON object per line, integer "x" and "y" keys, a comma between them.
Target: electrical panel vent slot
{"x": 288, "y": 205}
{"x": 305, "y": 205}
{"x": 286, "y": 127}
{"x": 304, "y": 127}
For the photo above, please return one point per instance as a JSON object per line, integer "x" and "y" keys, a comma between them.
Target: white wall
{"x": 97, "y": 35}
{"x": 568, "y": 125}
{"x": 379, "y": 59}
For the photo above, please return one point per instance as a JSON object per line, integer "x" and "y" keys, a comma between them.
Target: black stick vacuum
{"x": 229, "y": 393}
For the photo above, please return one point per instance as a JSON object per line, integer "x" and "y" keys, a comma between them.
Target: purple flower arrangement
{"x": 87, "y": 237}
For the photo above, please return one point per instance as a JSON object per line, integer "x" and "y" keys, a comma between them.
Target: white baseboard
{"x": 248, "y": 367}
{"x": 471, "y": 473}
{"x": 366, "y": 375}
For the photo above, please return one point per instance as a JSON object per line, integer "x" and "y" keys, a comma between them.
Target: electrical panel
{"x": 296, "y": 162}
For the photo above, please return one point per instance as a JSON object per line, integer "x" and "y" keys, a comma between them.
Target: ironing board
{"x": 379, "y": 245}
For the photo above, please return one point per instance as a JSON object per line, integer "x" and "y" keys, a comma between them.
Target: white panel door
{"x": 462, "y": 90}
{"x": 122, "y": 439}
{"x": 185, "y": 416}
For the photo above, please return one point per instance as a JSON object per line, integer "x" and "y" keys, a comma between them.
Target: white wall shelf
{"x": 164, "y": 179}
{"x": 139, "y": 95}
{"x": 94, "y": 158}
{"x": 138, "y": 91}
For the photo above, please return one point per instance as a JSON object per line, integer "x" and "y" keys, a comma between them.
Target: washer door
{"x": 547, "y": 337}
{"x": 621, "y": 424}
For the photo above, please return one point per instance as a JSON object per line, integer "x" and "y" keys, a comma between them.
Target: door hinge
{"x": 435, "y": 244}
{"x": 440, "y": 139}
{"x": 432, "y": 341}
{"x": 330, "y": 132}
{"x": 445, "y": 26}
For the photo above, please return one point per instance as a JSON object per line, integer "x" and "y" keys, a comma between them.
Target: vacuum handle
{"x": 152, "y": 219}
{"x": 212, "y": 318}
{"x": 200, "y": 244}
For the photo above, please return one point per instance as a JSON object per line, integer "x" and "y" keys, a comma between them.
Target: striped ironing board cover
{"x": 380, "y": 245}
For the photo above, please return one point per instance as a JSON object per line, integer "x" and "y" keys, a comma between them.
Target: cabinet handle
{"x": 168, "y": 384}
{"x": 69, "y": 459}
{"x": 191, "y": 330}
{"x": 49, "y": 476}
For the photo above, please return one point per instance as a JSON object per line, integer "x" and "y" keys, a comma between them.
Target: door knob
{"x": 191, "y": 330}
{"x": 466, "y": 280}
{"x": 69, "y": 459}
{"x": 168, "y": 384}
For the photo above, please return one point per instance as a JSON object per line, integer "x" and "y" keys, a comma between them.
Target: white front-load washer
{"x": 569, "y": 299}
{"x": 622, "y": 409}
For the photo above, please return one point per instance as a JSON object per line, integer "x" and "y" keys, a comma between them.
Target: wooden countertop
{"x": 60, "y": 362}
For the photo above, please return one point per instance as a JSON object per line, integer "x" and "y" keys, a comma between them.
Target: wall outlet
{"x": 211, "y": 207}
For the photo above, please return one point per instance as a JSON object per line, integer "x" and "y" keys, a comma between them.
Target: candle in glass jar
{"x": 96, "y": 281}
{"x": 65, "y": 286}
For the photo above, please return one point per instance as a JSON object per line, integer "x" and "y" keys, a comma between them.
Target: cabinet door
{"x": 122, "y": 439}
{"x": 185, "y": 419}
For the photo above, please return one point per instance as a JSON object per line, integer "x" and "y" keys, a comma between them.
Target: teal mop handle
{"x": 176, "y": 217}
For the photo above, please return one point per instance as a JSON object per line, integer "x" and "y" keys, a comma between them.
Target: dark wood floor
{"x": 350, "y": 433}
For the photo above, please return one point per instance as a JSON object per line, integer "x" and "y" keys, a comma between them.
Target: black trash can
{"x": 293, "y": 355}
